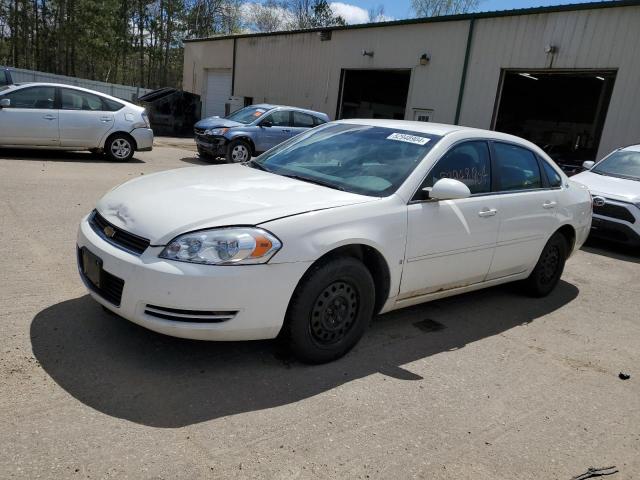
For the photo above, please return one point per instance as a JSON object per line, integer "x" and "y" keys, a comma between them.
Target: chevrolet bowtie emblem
{"x": 109, "y": 231}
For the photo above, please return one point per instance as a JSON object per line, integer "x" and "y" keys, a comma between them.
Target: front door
{"x": 451, "y": 243}
{"x": 30, "y": 119}
{"x": 278, "y": 131}
{"x": 84, "y": 119}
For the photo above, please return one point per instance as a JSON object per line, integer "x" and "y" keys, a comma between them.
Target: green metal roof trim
{"x": 445, "y": 18}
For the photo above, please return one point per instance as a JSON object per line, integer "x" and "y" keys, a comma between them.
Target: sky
{"x": 356, "y": 11}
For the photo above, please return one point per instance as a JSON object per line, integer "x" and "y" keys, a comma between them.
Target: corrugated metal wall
{"x": 299, "y": 69}
{"x": 124, "y": 92}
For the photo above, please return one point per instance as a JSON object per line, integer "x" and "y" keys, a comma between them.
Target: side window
{"x": 77, "y": 100}
{"x": 554, "y": 177}
{"x": 302, "y": 120}
{"x": 35, "y": 97}
{"x": 468, "y": 162}
{"x": 280, "y": 118}
{"x": 517, "y": 168}
{"x": 111, "y": 105}
{"x": 318, "y": 121}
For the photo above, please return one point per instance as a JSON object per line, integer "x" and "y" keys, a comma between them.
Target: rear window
{"x": 111, "y": 105}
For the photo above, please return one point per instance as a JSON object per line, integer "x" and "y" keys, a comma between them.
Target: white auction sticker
{"x": 403, "y": 137}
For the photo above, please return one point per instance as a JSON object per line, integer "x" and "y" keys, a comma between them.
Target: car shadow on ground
{"x": 196, "y": 160}
{"x": 612, "y": 250}
{"x": 128, "y": 372}
{"x": 58, "y": 156}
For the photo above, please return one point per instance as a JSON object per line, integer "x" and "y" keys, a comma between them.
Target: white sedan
{"x": 314, "y": 237}
{"x": 62, "y": 117}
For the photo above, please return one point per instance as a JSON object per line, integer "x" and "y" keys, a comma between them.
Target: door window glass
{"x": 35, "y": 97}
{"x": 302, "y": 120}
{"x": 517, "y": 167}
{"x": 279, "y": 118}
{"x": 468, "y": 162}
{"x": 318, "y": 121}
{"x": 554, "y": 177}
{"x": 111, "y": 105}
{"x": 77, "y": 100}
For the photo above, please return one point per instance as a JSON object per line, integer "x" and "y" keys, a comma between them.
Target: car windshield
{"x": 247, "y": 114}
{"x": 623, "y": 164}
{"x": 360, "y": 159}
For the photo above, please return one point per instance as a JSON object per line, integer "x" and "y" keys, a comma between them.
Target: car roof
{"x": 63, "y": 85}
{"x": 631, "y": 148}
{"x": 270, "y": 106}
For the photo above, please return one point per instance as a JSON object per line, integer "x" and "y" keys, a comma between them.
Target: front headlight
{"x": 223, "y": 246}
{"x": 216, "y": 131}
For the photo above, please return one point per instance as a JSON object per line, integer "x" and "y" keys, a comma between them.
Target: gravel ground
{"x": 488, "y": 385}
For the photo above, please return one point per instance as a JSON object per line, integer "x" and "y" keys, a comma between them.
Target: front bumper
{"x": 143, "y": 138}
{"x": 214, "y": 146}
{"x": 257, "y": 294}
{"x": 615, "y": 231}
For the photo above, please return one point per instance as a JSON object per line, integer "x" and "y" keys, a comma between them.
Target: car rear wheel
{"x": 330, "y": 310}
{"x": 119, "y": 148}
{"x": 238, "y": 151}
{"x": 547, "y": 272}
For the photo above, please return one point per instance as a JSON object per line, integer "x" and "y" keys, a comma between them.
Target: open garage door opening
{"x": 562, "y": 112}
{"x": 374, "y": 94}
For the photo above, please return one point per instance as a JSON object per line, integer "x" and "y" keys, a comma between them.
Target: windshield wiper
{"x": 258, "y": 165}
{"x": 315, "y": 181}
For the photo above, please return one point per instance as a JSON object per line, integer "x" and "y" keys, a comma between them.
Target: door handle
{"x": 49, "y": 117}
{"x": 105, "y": 119}
{"x": 549, "y": 204}
{"x": 487, "y": 212}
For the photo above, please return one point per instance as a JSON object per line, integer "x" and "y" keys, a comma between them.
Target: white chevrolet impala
{"x": 314, "y": 237}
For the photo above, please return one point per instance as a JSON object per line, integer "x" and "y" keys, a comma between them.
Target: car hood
{"x": 216, "y": 122}
{"x": 611, "y": 187}
{"x": 163, "y": 205}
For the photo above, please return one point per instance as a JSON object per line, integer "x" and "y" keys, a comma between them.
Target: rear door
{"x": 84, "y": 119}
{"x": 301, "y": 123}
{"x": 31, "y": 118}
{"x": 279, "y": 131}
{"x": 528, "y": 209}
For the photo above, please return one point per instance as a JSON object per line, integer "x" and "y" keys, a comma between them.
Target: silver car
{"x": 53, "y": 116}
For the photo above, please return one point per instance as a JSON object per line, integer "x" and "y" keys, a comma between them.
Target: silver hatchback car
{"x": 53, "y": 116}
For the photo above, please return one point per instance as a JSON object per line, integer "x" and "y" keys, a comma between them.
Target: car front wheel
{"x": 238, "y": 151}
{"x": 119, "y": 148}
{"x": 547, "y": 272}
{"x": 330, "y": 310}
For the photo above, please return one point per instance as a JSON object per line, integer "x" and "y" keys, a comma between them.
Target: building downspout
{"x": 465, "y": 66}
{"x": 233, "y": 69}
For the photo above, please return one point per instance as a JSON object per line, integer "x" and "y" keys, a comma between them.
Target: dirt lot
{"x": 489, "y": 385}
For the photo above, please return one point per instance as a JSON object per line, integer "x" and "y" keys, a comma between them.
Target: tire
{"x": 119, "y": 148}
{"x": 330, "y": 310}
{"x": 238, "y": 151}
{"x": 547, "y": 272}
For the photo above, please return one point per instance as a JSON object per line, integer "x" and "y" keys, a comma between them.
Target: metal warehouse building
{"x": 565, "y": 77}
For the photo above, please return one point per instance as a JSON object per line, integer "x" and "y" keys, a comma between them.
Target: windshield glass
{"x": 360, "y": 159}
{"x": 623, "y": 163}
{"x": 247, "y": 114}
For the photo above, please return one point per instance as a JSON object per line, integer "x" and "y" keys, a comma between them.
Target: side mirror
{"x": 5, "y": 102}
{"x": 448, "y": 189}
{"x": 588, "y": 165}
{"x": 266, "y": 123}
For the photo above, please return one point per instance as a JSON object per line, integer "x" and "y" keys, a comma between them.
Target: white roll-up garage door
{"x": 218, "y": 91}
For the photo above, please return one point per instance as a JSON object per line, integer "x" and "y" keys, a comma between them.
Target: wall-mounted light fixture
{"x": 425, "y": 58}
{"x": 367, "y": 54}
{"x": 551, "y": 48}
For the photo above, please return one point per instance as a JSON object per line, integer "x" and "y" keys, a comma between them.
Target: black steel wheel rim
{"x": 550, "y": 264}
{"x": 334, "y": 313}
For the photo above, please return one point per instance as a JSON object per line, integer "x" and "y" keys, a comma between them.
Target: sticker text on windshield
{"x": 403, "y": 137}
